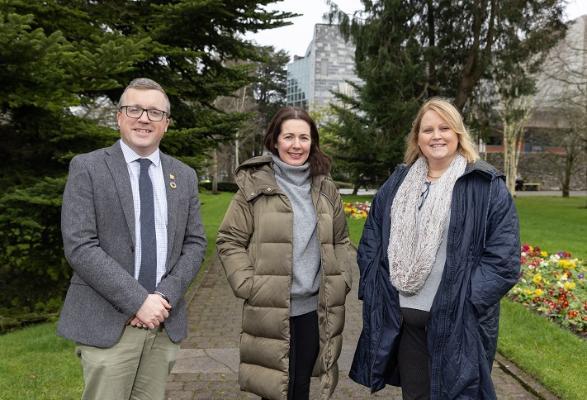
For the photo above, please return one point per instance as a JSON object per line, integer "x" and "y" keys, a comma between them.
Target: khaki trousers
{"x": 136, "y": 368}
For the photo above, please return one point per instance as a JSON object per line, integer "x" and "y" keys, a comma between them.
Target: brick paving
{"x": 207, "y": 365}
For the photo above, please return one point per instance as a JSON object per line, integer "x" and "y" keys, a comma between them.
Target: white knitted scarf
{"x": 412, "y": 245}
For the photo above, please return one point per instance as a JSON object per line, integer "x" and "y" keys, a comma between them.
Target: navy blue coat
{"x": 482, "y": 264}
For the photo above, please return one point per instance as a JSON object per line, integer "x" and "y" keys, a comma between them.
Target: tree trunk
{"x": 215, "y": 172}
{"x": 509, "y": 157}
{"x": 513, "y": 136}
{"x": 568, "y": 171}
{"x": 566, "y": 183}
{"x": 571, "y": 148}
{"x": 432, "y": 85}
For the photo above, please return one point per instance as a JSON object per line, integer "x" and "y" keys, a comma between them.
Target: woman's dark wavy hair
{"x": 319, "y": 162}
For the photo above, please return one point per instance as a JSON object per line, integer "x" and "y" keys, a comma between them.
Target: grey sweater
{"x": 295, "y": 182}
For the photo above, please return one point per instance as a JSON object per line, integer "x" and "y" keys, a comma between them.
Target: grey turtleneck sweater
{"x": 295, "y": 182}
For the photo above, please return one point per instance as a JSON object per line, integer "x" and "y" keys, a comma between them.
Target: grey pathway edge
{"x": 207, "y": 364}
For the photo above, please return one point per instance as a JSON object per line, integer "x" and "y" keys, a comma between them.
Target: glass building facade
{"x": 325, "y": 68}
{"x": 298, "y": 82}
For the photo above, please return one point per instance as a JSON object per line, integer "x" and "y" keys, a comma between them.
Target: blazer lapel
{"x": 171, "y": 188}
{"x": 117, "y": 165}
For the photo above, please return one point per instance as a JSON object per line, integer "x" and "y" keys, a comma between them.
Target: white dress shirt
{"x": 160, "y": 201}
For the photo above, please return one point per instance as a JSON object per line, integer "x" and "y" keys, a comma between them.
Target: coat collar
{"x": 483, "y": 168}
{"x": 256, "y": 176}
{"x": 116, "y": 163}
{"x": 173, "y": 188}
{"x": 480, "y": 167}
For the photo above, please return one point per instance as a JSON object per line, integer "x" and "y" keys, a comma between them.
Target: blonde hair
{"x": 453, "y": 118}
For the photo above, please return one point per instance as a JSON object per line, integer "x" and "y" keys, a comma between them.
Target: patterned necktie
{"x": 148, "y": 271}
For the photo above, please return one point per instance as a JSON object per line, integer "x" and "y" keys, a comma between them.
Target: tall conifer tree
{"x": 408, "y": 51}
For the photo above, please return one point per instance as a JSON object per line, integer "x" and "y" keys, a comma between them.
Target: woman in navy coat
{"x": 440, "y": 248}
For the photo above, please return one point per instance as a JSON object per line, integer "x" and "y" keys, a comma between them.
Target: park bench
{"x": 531, "y": 186}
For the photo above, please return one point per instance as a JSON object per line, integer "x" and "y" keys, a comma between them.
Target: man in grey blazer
{"x": 133, "y": 236}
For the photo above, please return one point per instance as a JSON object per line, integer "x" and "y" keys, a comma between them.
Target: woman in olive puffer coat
{"x": 285, "y": 249}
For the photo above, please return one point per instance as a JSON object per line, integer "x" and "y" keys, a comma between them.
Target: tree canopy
{"x": 408, "y": 51}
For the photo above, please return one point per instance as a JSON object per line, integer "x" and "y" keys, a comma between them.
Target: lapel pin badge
{"x": 172, "y": 183}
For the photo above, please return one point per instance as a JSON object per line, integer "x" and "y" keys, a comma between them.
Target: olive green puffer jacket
{"x": 255, "y": 246}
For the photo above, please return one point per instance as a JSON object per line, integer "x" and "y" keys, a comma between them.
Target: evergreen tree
{"x": 59, "y": 59}
{"x": 408, "y": 51}
{"x": 269, "y": 90}
{"x": 43, "y": 75}
{"x": 350, "y": 140}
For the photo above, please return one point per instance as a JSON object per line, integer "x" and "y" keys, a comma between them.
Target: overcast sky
{"x": 295, "y": 38}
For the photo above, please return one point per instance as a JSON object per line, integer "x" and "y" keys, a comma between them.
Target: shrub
{"x": 222, "y": 186}
{"x": 34, "y": 275}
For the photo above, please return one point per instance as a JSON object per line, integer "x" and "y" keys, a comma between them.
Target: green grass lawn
{"x": 36, "y": 364}
{"x": 554, "y": 356}
{"x": 213, "y": 208}
{"x": 554, "y": 223}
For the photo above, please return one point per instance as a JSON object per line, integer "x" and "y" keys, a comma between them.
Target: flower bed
{"x": 554, "y": 286}
{"x": 357, "y": 210}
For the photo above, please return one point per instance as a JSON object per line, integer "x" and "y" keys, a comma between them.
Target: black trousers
{"x": 303, "y": 351}
{"x": 304, "y": 345}
{"x": 413, "y": 359}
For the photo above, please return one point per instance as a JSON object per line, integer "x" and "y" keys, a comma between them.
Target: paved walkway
{"x": 207, "y": 364}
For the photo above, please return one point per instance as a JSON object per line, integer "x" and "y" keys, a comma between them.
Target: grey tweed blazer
{"x": 97, "y": 224}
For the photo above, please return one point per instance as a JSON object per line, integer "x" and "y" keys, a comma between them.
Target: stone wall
{"x": 546, "y": 169}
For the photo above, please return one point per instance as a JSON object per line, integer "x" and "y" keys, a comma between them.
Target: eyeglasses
{"x": 424, "y": 194}
{"x": 136, "y": 112}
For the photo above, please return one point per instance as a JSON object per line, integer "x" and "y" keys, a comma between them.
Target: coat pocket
{"x": 348, "y": 280}
{"x": 460, "y": 373}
